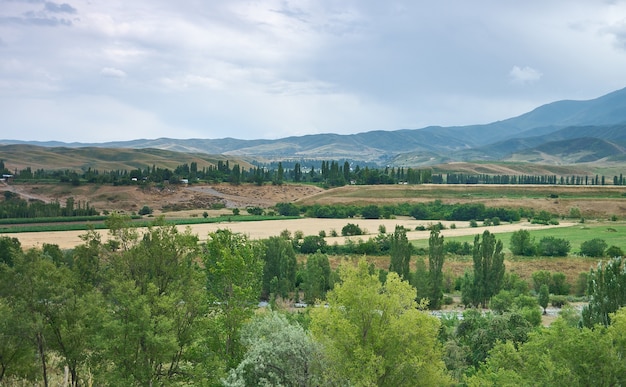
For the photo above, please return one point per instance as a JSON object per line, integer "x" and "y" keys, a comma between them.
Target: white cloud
{"x": 112, "y": 72}
{"x": 524, "y": 74}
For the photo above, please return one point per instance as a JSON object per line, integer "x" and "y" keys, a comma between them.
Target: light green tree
{"x": 278, "y": 353}
{"x": 373, "y": 334}
{"x": 560, "y": 355}
{"x": 234, "y": 270}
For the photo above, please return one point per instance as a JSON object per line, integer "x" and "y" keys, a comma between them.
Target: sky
{"x": 97, "y": 71}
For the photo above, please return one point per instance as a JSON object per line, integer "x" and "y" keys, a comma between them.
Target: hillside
{"x": 103, "y": 159}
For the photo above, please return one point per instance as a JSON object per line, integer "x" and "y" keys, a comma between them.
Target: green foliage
{"x": 488, "y": 269}
{"x": 351, "y": 229}
{"x": 607, "y": 292}
{"x": 312, "y": 243}
{"x": 287, "y": 209}
{"x": 543, "y": 297}
{"x": 436, "y": 258}
{"x": 576, "y": 357}
{"x": 370, "y": 212}
{"x": 233, "y": 271}
{"x": 373, "y": 334}
{"x": 317, "y": 278}
{"x": 614, "y": 251}
{"x": 522, "y": 243}
{"x": 478, "y": 333}
{"x": 9, "y": 249}
{"x": 145, "y": 210}
{"x": 278, "y": 353}
{"x": 593, "y": 248}
{"x": 553, "y": 247}
{"x": 400, "y": 252}
{"x": 279, "y": 271}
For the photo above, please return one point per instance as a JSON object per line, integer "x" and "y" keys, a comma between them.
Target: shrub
{"x": 322, "y": 234}
{"x": 522, "y": 244}
{"x": 205, "y": 214}
{"x": 473, "y": 223}
{"x": 351, "y": 229}
{"x": 553, "y": 247}
{"x": 593, "y": 248}
{"x": 236, "y": 211}
{"x": 614, "y": 251}
{"x": 254, "y": 210}
{"x": 145, "y": 210}
{"x": 312, "y": 243}
{"x": 371, "y": 212}
{"x": 558, "y": 301}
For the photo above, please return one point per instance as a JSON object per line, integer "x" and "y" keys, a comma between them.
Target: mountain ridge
{"x": 603, "y": 118}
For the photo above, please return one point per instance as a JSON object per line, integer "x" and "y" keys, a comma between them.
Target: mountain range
{"x": 560, "y": 133}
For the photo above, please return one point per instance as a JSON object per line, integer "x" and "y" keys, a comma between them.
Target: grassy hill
{"x": 103, "y": 159}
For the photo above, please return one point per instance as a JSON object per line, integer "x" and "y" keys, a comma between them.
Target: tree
{"x": 607, "y": 292}
{"x": 576, "y": 357}
{"x": 488, "y": 269}
{"x": 521, "y": 243}
{"x": 553, "y": 247}
{"x": 234, "y": 271}
{"x": 593, "y": 248}
{"x": 436, "y": 257}
{"x": 400, "y": 252}
{"x": 544, "y": 297}
{"x": 373, "y": 334}
{"x": 317, "y": 279}
{"x": 279, "y": 268}
{"x": 278, "y": 353}
{"x": 156, "y": 302}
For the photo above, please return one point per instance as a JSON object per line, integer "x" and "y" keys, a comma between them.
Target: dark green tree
{"x": 436, "y": 257}
{"x": 279, "y": 269}
{"x": 488, "y": 268}
{"x": 400, "y": 252}
{"x": 317, "y": 277}
{"x": 522, "y": 243}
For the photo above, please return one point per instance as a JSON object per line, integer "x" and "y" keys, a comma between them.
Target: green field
{"x": 613, "y": 233}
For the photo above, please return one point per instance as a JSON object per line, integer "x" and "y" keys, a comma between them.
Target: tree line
{"x": 329, "y": 173}
{"x": 15, "y": 207}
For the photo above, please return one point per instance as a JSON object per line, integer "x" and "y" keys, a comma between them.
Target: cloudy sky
{"x": 83, "y": 70}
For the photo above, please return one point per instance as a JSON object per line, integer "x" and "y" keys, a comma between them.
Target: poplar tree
{"x": 488, "y": 269}
{"x": 400, "y": 251}
{"x": 436, "y": 256}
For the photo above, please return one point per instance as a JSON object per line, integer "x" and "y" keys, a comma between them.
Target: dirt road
{"x": 308, "y": 226}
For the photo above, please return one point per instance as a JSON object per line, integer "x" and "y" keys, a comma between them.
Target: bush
{"x": 553, "y": 247}
{"x": 614, "y": 251}
{"x": 312, "y": 243}
{"x": 371, "y": 212}
{"x": 145, "y": 210}
{"x": 351, "y": 229}
{"x": 558, "y": 301}
{"x": 473, "y": 223}
{"x": 522, "y": 243}
{"x": 593, "y": 248}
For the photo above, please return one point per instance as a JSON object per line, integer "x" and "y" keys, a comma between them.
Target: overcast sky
{"x": 93, "y": 71}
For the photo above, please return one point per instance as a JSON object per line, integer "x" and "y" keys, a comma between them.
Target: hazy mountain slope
{"x": 603, "y": 117}
{"x": 571, "y": 151}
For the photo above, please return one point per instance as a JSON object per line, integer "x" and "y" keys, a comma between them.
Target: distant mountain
{"x": 603, "y": 118}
